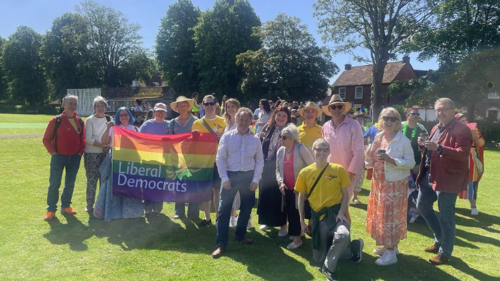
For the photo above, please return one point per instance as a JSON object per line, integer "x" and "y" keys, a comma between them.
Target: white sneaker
{"x": 264, "y": 227}
{"x": 380, "y": 251}
{"x": 387, "y": 258}
{"x": 249, "y": 225}
{"x": 474, "y": 211}
{"x": 233, "y": 221}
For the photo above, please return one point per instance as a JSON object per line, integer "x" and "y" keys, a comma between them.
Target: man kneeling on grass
{"x": 325, "y": 186}
{"x": 240, "y": 163}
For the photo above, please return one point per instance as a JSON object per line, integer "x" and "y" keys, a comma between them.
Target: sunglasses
{"x": 209, "y": 103}
{"x": 284, "y": 137}
{"x": 333, "y": 107}
{"x": 392, "y": 119}
{"x": 415, "y": 114}
{"x": 322, "y": 149}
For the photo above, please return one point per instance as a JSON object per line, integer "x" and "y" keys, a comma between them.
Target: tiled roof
{"x": 362, "y": 75}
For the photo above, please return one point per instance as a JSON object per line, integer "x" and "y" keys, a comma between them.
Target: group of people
{"x": 306, "y": 176}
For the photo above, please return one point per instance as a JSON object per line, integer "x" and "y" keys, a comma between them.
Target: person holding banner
{"x": 156, "y": 126}
{"x": 210, "y": 123}
{"x": 240, "y": 170}
{"x": 180, "y": 125}
{"x": 108, "y": 206}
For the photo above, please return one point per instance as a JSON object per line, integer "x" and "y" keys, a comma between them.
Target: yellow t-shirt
{"x": 328, "y": 189}
{"x": 218, "y": 124}
{"x": 307, "y": 135}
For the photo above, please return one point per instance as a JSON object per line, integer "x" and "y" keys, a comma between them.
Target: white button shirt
{"x": 240, "y": 153}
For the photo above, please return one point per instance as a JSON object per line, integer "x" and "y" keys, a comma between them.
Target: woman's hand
{"x": 282, "y": 188}
{"x": 110, "y": 124}
{"x": 304, "y": 227}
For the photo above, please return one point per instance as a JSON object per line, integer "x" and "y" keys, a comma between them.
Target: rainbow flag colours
{"x": 169, "y": 168}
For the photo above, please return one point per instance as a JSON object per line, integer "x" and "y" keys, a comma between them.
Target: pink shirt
{"x": 346, "y": 144}
{"x": 289, "y": 177}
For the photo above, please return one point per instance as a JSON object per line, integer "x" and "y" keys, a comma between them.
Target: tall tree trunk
{"x": 471, "y": 107}
{"x": 376, "y": 98}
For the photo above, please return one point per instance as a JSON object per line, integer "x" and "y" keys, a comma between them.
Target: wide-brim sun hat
{"x": 173, "y": 104}
{"x": 336, "y": 99}
{"x": 309, "y": 105}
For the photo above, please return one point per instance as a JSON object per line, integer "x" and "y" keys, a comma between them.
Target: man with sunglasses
{"x": 345, "y": 137}
{"x": 443, "y": 173}
{"x": 324, "y": 185}
{"x": 210, "y": 123}
{"x": 412, "y": 130}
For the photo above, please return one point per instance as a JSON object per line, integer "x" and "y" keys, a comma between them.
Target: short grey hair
{"x": 445, "y": 100}
{"x": 243, "y": 110}
{"x": 320, "y": 141}
{"x": 291, "y": 131}
{"x": 68, "y": 96}
{"x": 100, "y": 100}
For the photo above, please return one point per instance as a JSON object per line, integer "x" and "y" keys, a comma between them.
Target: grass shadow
{"x": 73, "y": 233}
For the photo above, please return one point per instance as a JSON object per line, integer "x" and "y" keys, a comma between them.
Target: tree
{"x": 139, "y": 66}
{"x": 289, "y": 65}
{"x": 23, "y": 67}
{"x": 379, "y": 26}
{"x": 112, "y": 39}
{"x": 3, "y": 83}
{"x": 68, "y": 62}
{"x": 466, "y": 43}
{"x": 220, "y": 35}
{"x": 175, "y": 47}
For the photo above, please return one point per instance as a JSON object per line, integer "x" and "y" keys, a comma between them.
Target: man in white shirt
{"x": 240, "y": 170}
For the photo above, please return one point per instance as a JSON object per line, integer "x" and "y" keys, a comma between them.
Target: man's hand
{"x": 226, "y": 185}
{"x": 430, "y": 145}
{"x": 304, "y": 227}
{"x": 352, "y": 176}
{"x": 253, "y": 186}
{"x": 282, "y": 188}
{"x": 341, "y": 217}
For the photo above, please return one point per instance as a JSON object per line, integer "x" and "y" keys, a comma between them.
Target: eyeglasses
{"x": 123, "y": 114}
{"x": 209, "y": 103}
{"x": 284, "y": 137}
{"x": 333, "y": 107}
{"x": 442, "y": 109}
{"x": 322, "y": 149}
{"x": 415, "y": 114}
{"x": 392, "y": 119}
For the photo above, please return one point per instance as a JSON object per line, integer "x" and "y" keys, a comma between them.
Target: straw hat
{"x": 309, "y": 105}
{"x": 336, "y": 99}
{"x": 173, "y": 105}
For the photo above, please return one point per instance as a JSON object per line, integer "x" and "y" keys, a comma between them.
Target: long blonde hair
{"x": 233, "y": 101}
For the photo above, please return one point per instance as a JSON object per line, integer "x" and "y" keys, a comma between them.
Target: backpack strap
{"x": 56, "y": 127}
{"x": 317, "y": 180}
{"x": 210, "y": 130}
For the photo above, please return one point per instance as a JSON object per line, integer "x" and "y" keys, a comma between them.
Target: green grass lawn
{"x": 17, "y": 124}
{"x": 83, "y": 248}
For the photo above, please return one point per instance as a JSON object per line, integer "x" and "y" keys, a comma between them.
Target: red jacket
{"x": 450, "y": 170}
{"x": 69, "y": 141}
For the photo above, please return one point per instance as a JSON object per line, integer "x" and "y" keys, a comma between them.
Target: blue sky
{"x": 39, "y": 14}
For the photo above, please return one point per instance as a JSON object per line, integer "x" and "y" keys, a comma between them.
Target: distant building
{"x": 354, "y": 84}
{"x": 489, "y": 107}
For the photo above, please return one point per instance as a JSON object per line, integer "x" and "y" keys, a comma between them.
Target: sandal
{"x": 356, "y": 201}
{"x": 293, "y": 246}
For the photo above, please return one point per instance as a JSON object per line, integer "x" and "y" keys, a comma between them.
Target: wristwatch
{"x": 440, "y": 149}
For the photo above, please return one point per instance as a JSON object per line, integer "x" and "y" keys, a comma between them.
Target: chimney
{"x": 406, "y": 59}
{"x": 347, "y": 66}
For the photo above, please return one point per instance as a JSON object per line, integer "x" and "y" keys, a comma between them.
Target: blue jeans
{"x": 443, "y": 226}
{"x": 240, "y": 181}
{"x": 58, "y": 163}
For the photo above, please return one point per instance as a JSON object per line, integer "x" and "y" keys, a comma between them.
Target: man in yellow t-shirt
{"x": 210, "y": 123}
{"x": 329, "y": 202}
{"x": 309, "y": 131}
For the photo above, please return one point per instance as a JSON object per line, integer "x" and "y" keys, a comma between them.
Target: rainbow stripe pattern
{"x": 169, "y": 168}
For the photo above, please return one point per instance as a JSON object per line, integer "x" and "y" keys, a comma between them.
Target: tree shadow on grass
{"x": 423, "y": 229}
{"x": 74, "y": 233}
{"x": 483, "y": 220}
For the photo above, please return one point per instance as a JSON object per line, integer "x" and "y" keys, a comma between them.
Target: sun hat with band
{"x": 160, "y": 107}
{"x": 336, "y": 100}
{"x": 173, "y": 105}
{"x": 309, "y": 105}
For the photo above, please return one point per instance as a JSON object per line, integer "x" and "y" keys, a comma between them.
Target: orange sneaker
{"x": 49, "y": 216}
{"x": 69, "y": 211}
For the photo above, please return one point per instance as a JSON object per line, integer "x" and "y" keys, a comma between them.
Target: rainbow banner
{"x": 169, "y": 168}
